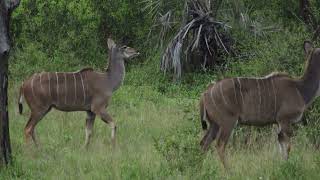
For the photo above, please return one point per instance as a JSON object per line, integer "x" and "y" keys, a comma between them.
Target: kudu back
{"x": 84, "y": 90}
{"x": 274, "y": 99}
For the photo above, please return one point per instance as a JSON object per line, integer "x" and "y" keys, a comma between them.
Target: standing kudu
{"x": 84, "y": 90}
{"x": 274, "y": 99}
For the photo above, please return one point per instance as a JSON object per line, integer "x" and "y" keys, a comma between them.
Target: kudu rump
{"x": 85, "y": 90}
{"x": 274, "y": 99}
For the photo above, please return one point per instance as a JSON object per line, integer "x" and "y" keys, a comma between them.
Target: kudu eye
{"x": 123, "y": 47}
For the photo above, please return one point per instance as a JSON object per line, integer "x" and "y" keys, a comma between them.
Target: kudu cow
{"x": 84, "y": 90}
{"x": 274, "y": 99}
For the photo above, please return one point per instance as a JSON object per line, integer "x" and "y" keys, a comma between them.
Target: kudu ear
{"x": 307, "y": 46}
{"x": 13, "y": 4}
{"x": 111, "y": 43}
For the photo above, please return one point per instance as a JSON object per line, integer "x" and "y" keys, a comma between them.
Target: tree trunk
{"x": 306, "y": 14}
{"x": 5, "y": 148}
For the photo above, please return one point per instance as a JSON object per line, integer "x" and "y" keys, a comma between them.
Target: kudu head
{"x": 121, "y": 52}
{"x": 6, "y": 8}
{"x": 312, "y": 57}
{"x": 312, "y": 53}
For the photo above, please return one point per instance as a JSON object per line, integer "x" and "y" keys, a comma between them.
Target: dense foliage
{"x": 66, "y": 35}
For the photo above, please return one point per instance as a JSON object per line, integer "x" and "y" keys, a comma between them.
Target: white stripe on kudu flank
{"x": 212, "y": 99}
{"x": 259, "y": 92}
{"x": 224, "y": 100}
{"x": 32, "y": 85}
{"x": 240, "y": 91}
{"x": 275, "y": 97}
{"x": 65, "y": 88}
{"x": 84, "y": 93}
{"x": 234, "y": 89}
{"x": 211, "y": 95}
{"x": 41, "y": 82}
{"x": 57, "y": 87}
{"x": 75, "y": 88}
{"x": 49, "y": 85}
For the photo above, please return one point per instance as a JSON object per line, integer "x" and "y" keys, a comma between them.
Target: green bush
{"x": 59, "y": 27}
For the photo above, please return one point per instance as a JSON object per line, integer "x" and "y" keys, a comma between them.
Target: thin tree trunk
{"x": 306, "y": 14}
{"x": 6, "y": 8}
{"x": 5, "y": 148}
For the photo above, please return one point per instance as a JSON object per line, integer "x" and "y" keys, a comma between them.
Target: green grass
{"x": 158, "y": 138}
{"x": 159, "y": 128}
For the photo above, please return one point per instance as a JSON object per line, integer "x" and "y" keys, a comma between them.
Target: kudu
{"x": 84, "y": 90}
{"x": 274, "y": 99}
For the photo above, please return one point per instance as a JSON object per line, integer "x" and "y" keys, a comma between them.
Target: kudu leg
{"x": 205, "y": 137}
{"x": 284, "y": 139}
{"x": 223, "y": 137}
{"x": 89, "y": 125}
{"x": 107, "y": 119}
{"x": 31, "y": 124}
{"x": 210, "y": 136}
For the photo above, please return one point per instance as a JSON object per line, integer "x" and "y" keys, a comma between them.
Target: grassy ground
{"x": 158, "y": 138}
{"x": 158, "y": 123}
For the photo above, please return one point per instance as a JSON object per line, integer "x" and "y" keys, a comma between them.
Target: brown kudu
{"x": 274, "y": 99}
{"x": 84, "y": 90}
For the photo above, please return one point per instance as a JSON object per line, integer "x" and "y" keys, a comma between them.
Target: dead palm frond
{"x": 162, "y": 14}
{"x": 201, "y": 32}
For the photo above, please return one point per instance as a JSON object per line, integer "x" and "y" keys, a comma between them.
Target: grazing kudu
{"x": 274, "y": 99}
{"x": 84, "y": 90}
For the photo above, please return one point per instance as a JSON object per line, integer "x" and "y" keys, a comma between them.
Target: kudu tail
{"x": 20, "y": 99}
{"x": 203, "y": 114}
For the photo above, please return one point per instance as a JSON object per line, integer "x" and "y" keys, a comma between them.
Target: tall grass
{"x": 158, "y": 138}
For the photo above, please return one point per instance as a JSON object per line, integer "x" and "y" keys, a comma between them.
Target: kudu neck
{"x": 310, "y": 80}
{"x": 115, "y": 72}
